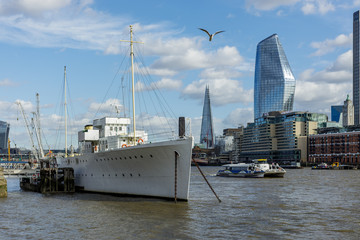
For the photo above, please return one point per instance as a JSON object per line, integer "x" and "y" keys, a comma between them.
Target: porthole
{"x": 139, "y": 174}
{"x": 141, "y": 156}
{"x": 123, "y": 175}
{"x": 151, "y": 155}
{"x": 125, "y": 158}
{"x": 103, "y": 175}
{"x": 130, "y": 157}
{"x": 130, "y": 174}
{"x": 115, "y": 175}
{"x": 135, "y": 156}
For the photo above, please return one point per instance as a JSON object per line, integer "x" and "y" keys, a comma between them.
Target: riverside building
{"x": 332, "y": 145}
{"x": 280, "y": 137}
{"x": 274, "y": 81}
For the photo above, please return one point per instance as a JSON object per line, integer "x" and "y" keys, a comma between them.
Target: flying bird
{"x": 210, "y": 35}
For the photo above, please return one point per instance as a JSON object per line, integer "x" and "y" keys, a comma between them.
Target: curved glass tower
{"x": 274, "y": 81}
{"x": 207, "y": 133}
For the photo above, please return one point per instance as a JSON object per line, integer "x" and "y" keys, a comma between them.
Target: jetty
{"x": 3, "y": 184}
{"x": 49, "y": 179}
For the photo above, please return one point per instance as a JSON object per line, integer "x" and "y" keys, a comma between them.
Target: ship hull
{"x": 156, "y": 169}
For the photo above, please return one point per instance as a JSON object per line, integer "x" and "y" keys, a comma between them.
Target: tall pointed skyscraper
{"x": 356, "y": 67}
{"x": 207, "y": 133}
{"x": 274, "y": 81}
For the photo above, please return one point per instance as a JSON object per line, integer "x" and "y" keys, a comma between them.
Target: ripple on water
{"x": 304, "y": 204}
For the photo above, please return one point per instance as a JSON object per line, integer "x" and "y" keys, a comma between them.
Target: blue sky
{"x": 39, "y": 37}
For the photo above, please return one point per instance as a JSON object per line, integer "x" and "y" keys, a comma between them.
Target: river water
{"x": 305, "y": 204}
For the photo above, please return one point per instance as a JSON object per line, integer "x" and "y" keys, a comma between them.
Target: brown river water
{"x": 305, "y": 204}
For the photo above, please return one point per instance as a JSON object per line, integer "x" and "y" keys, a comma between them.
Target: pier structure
{"x": 50, "y": 179}
{"x": 3, "y": 184}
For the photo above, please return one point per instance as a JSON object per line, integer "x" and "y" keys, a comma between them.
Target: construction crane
{"x": 36, "y": 129}
{"x": 28, "y": 130}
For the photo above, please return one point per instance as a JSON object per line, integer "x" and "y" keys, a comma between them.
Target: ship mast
{"x": 38, "y": 125}
{"x": 132, "y": 78}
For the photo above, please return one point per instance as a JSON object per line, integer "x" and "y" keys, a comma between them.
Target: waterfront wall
{"x": 3, "y": 184}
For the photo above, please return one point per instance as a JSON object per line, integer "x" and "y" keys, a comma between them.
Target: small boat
{"x": 241, "y": 170}
{"x": 321, "y": 166}
{"x": 271, "y": 170}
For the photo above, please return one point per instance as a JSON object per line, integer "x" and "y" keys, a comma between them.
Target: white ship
{"x": 112, "y": 160}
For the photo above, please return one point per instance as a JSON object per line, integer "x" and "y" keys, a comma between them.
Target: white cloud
{"x": 66, "y": 24}
{"x": 220, "y": 73}
{"x": 317, "y": 91}
{"x": 240, "y": 116}
{"x": 164, "y": 83}
{"x": 317, "y": 6}
{"x": 111, "y": 107}
{"x": 307, "y": 6}
{"x": 330, "y": 45}
{"x": 193, "y": 58}
{"x": 6, "y": 83}
{"x": 222, "y": 91}
{"x": 167, "y": 83}
{"x": 266, "y": 5}
{"x": 31, "y": 7}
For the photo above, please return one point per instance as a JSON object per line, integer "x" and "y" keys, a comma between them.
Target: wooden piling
{"x": 3, "y": 184}
{"x": 54, "y": 180}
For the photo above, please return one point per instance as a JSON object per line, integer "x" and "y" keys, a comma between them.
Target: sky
{"x": 39, "y": 37}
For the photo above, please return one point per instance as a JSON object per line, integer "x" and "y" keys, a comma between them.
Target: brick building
{"x": 342, "y": 147}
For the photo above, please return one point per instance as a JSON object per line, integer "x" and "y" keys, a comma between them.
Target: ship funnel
{"x": 181, "y": 127}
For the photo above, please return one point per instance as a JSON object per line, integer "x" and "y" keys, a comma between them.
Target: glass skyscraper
{"x": 4, "y": 134}
{"x": 356, "y": 68}
{"x": 207, "y": 133}
{"x": 336, "y": 112}
{"x": 274, "y": 81}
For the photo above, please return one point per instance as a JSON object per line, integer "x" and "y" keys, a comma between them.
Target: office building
{"x": 348, "y": 112}
{"x": 4, "y": 135}
{"x": 336, "y": 112}
{"x": 280, "y": 137}
{"x": 356, "y": 67}
{"x": 207, "y": 132}
{"x": 274, "y": 81}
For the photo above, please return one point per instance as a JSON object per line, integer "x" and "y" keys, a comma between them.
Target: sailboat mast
{"x": 38, "y": 125}
{"x": 132, "y": 80}
{"x": 65, "y": 109}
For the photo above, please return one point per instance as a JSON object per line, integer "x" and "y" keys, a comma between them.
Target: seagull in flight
{"x": 210, "y": 35}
